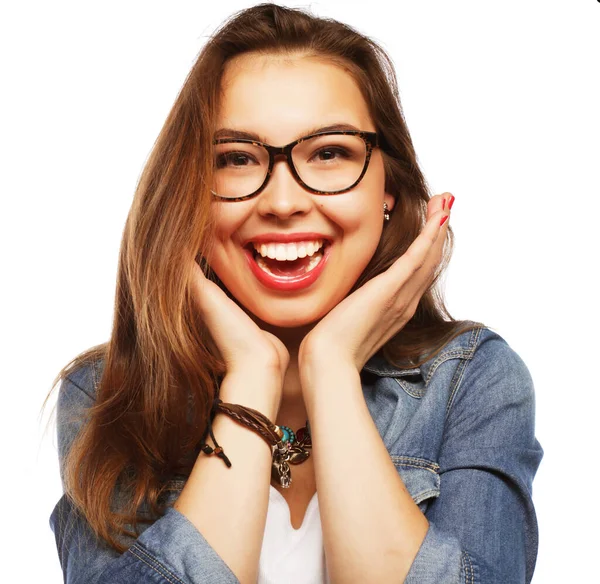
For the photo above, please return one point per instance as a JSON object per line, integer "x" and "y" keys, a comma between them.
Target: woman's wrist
{"x": 257, "y": 389}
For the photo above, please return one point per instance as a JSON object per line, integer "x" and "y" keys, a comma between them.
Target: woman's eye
{"x": 327, "y": 154}
{"x": 233, "y": 159}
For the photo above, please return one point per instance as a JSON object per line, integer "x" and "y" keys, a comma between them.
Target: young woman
{"x": 284, "y": 397}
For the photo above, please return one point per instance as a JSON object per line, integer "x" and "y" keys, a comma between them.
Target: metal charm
{"x": 293, "y": 448}
{"x": 280, "y": 471}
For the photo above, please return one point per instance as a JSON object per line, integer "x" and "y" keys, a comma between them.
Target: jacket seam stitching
{"x": 450, "y": 354}
{"x": 464, "y": 352}
{"x": 417, "y": 466}
{"x": 95, "y": 377}
{"x": 431, "y": 494}
{"x": 416, "y": 463}
{"x": 455, "y": 384}
{"x": 460, "y": 370}
{"x": 416, "y": 393}
{"x": 79, "y": 387}
{"x": 468, "y": 568}
{"x": 154, "y": 564}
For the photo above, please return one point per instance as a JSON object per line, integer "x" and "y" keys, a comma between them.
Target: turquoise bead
{"x": 288, "y": 434}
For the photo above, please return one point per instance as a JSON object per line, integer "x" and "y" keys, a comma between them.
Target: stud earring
{"x": 386, "y": 215}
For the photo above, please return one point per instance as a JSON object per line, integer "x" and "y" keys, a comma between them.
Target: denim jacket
{"x": 459, "y": 430}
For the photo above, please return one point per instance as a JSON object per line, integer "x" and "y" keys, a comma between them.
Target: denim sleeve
{"x": 483, "y": 527}
{"x": 171, "y": 550}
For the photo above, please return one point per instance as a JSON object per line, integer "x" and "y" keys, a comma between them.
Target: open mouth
{"x": 284, "y": 268}
{"x": 288, "y": 275}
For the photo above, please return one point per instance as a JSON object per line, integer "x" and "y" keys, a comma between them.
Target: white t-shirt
{"x": 292, "y": 555}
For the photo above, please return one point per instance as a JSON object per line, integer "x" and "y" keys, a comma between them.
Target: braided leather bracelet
{"x": 259, "y": 423}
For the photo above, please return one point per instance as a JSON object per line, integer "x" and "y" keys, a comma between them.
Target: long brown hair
{"x": 160, "y": 367}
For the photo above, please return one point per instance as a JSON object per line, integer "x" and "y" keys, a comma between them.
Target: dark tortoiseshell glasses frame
{"x": 370, "y": 139}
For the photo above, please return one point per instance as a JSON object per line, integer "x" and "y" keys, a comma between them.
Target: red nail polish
{"x": 444, "y": 205}
{"x": 443, "y": 220}
{"x": 451, "y": 202}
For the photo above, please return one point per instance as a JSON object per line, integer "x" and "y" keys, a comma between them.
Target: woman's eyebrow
{"x": 244, "y": 135}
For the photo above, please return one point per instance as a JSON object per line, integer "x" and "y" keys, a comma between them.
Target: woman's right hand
{"x": 242, "y": 343}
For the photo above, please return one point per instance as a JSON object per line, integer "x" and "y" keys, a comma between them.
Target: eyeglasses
{"x": 327, "y": 163}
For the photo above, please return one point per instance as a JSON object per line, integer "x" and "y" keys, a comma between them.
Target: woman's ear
{"x": 390, "y": 200}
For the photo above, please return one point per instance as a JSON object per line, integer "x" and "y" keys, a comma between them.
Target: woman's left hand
{"x": 365, "y": 320}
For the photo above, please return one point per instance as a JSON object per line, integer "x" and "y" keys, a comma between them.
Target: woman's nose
{"x": 283, "y": 196}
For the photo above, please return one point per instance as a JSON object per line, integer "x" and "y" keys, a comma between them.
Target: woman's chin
{"x": 286, "y": 320}
{"x": 272, "y": 318}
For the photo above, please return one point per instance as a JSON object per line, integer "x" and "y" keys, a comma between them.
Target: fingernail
{"x": 451, "y": 202}
{"x": 444, "y": 220}
{"x": 444, "y": 205}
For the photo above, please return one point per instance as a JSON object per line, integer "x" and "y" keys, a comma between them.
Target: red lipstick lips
{"x": 285, "y": 238}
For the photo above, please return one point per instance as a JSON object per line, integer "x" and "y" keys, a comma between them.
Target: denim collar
{"x": 379, "y": 366}
{"x": 461, "y": 346}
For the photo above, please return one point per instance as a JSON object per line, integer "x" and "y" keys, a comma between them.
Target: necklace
{"x": 295, "y": 448}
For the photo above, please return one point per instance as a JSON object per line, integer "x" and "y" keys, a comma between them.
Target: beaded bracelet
{"x": 273, "y": 435}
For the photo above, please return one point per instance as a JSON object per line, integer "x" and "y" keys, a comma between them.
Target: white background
{"x": 502, "y": 102}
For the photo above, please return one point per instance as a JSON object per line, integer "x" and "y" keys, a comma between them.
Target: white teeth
{"x": 288, "y": 251}
{"x": 280, "y": 254}
{"x": 311, "y": 265}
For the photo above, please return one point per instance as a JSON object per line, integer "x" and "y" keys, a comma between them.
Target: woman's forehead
{"x": 280, "y": 73}
{"x": 281, "y": 96}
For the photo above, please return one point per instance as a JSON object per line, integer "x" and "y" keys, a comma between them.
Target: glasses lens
{"x": 239, "y": 168}
{"x": 330, "y": 162}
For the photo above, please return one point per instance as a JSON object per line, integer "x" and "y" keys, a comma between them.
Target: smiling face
{"x": 280, "y": 99}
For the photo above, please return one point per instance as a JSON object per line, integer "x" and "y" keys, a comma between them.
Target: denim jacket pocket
{"x": 421, "y": 478}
